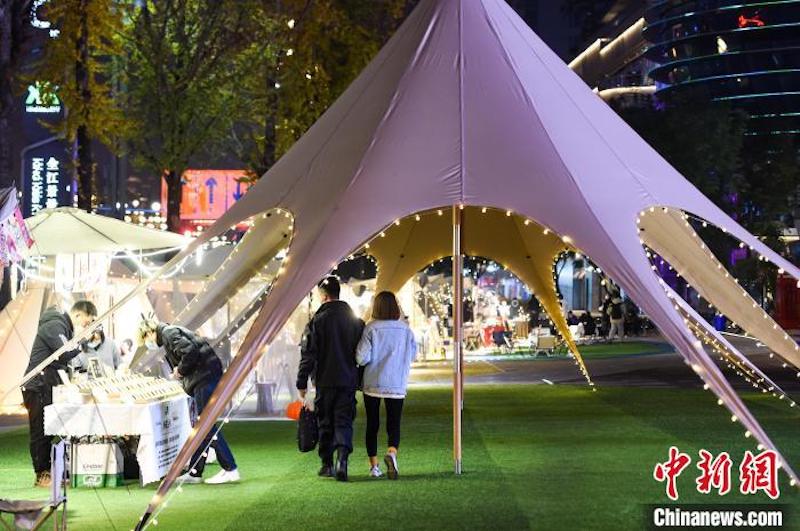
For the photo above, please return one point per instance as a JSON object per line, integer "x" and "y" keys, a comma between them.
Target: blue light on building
{"x": 743, "y": 52}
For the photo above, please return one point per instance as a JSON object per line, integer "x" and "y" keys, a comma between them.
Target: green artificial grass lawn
{"x": 541, "y": 457}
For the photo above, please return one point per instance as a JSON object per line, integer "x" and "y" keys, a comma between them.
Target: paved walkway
{"x": 665, "y": 370}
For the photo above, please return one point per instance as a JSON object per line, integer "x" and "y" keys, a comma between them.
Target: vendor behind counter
{"x": 101, "y": 347}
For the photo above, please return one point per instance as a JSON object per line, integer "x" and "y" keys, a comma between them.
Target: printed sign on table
{"x": 162, "y": 440}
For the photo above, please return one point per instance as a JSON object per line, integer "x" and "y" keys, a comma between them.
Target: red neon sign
{"x": 750, "y": 22}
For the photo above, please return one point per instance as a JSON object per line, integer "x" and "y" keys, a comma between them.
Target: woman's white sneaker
{"x": 375, "y": 471}
{"x": 224, "y": 476}
{"x": 391, "y": 465}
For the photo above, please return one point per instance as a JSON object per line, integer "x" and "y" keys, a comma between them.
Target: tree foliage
{"x": 752, "y": 178}
{"x": 183, "y": 92}
{"x": 95, "y": 105}
{"x": 304, "y": 56}
{"x": 770, "y": 180}
{"x": 702, "y": 142}
{"x": 81, "y": 68}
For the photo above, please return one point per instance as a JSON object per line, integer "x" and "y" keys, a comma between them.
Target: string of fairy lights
{"x": 750, "y": 375}
{"x": 755, "y": 379}
{"x": 739, "y": 364}
{"x": 283, "y": 256}
{"x": 652, "y": 255}
{"x": 566, "y": 335}
{"x": 701, "y": 372}
{"x": 702, "y": 338}
{"x": 35, "y": 265}
{"x": 728, "y": 357}
{"x": 441, "y": 298}
{"x": 723, "y": 353}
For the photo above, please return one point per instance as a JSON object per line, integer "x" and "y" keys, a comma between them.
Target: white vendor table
{"x": 162, "y": 428}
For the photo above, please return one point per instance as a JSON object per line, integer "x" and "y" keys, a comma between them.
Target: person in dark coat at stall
{"x": 328, "y": 357}
{"x": 195, "y": 363}
{"x": 572, "y": 319}
{"x": 55, "y": 329}
{"x": 533, "y": 308}
{"x": 589, "y": 326}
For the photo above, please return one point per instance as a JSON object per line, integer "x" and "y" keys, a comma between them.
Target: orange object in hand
{"x": 293, "y": 409}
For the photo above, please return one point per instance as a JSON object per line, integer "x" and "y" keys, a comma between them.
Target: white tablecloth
{"x": 162, "y": 428}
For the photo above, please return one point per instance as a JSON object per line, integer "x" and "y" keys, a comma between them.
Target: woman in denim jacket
{"x": 386, "y": 351}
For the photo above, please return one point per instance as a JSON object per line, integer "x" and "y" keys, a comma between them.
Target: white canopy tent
{"x": 67, "y": 231}
{"x": 465, "y": 105}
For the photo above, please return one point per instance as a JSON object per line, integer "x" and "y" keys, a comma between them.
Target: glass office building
{"x": 743, "y": 52}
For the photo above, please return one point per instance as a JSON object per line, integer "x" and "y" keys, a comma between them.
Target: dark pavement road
{"x": 665, "y": 370}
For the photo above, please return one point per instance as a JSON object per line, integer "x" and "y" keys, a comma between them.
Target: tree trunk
{"x": 174, "y": 191}
{"x": 85, "y": 166}
{"x": 85, "y": 161}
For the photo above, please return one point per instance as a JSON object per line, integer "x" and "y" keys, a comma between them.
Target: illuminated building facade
{"x": 743, "y": 52}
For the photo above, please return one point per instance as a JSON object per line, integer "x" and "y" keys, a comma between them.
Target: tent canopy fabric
{"x": 19, "y": 321}
{"x": 71, "y": 230}
{"x": 267, "y": 237}
{"x": 672, "y": 237}
{"x": 466, "y": 105}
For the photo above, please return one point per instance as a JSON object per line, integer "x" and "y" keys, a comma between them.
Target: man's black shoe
{"x": 341, "y": 468}
{"x": 326, "y": 471}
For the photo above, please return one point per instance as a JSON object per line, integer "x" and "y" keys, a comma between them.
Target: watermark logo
{"x": 670, "y": 470}
{"x": 757, "y": 473}
{"x": 715, "y": 473}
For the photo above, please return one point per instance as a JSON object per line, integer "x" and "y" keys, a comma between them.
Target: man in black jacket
{"x": 328, "y": 356}
{"x": 195, "y": 363}
{"x": 55, "y": 329}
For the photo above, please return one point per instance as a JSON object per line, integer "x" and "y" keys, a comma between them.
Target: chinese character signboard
{"x": 47, "y": 183}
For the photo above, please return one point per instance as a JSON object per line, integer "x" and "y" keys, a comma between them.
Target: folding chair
{"x": 473, "y": 338}
{"x": 32, "y": 514}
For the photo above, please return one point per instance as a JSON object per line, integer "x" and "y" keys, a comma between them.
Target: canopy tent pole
{"x": 458, "y": 353}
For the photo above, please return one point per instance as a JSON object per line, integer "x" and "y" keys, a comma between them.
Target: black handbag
{"x": 307, "y": 430}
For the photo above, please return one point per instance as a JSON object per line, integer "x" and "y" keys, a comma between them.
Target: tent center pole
{"x": 458, "y": 354}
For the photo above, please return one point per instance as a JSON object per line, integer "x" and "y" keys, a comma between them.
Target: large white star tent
{"x": 465, "y": 105}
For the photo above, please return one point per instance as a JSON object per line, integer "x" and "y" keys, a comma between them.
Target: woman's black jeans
{"x": 394, "y": 411}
